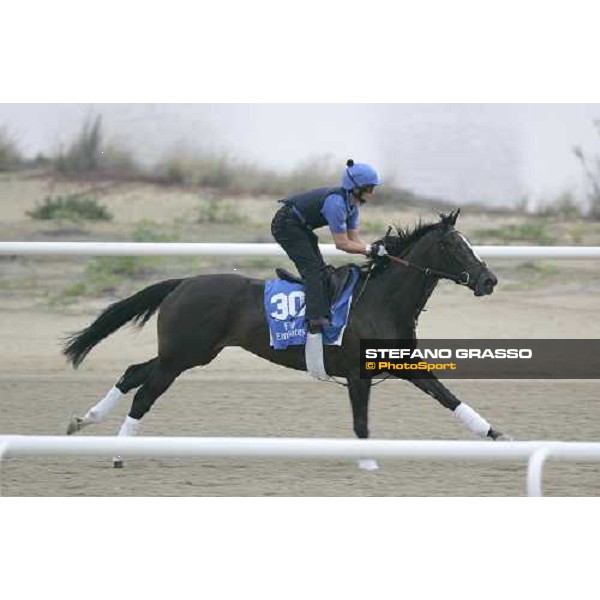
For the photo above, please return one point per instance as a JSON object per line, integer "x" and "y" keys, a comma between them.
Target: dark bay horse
{"x": 199, "y": 316}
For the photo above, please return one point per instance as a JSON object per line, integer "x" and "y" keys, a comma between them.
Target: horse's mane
{"x": 405, "y": 237}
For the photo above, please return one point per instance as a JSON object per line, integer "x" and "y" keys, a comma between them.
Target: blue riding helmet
{"x": 358, "y": 175}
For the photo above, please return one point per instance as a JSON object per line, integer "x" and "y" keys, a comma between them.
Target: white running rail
{"x": 536, "y": 452}
{"x": 256, "y": 249}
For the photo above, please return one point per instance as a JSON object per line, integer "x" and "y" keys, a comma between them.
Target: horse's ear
{"x": 445, "y": 217}
{"x": 450, "y": 218}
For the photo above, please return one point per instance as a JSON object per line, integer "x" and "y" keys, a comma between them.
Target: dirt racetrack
{"x": 240, "y": 395}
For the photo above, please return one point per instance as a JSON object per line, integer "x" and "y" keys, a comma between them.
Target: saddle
{"x": 335, "y": 279}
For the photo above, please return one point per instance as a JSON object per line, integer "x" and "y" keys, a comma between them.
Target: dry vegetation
{"x": 10, "y": 156}
{"x": 94, "y": 190}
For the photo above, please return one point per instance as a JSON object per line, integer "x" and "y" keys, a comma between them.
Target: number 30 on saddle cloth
{"x": 285, "y": 313}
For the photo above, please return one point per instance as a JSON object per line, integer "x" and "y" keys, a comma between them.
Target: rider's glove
{"x": 376, "y": 249}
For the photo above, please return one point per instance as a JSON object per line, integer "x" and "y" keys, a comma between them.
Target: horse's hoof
{"x": 498, "y": 436}
{"x": 367, "y": 464}
{"x": 117, "y": 463}
{"x": 75, "y": 425}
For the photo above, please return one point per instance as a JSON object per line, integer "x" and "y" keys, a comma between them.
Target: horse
{"x": 199, "y": 316}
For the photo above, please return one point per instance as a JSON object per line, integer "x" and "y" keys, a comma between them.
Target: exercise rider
{"x": 293, "y": 227}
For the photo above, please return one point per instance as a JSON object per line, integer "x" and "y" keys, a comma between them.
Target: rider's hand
{"x": 377, "y": 249}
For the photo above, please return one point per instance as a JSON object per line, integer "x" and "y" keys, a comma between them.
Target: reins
{"x": 461, "y": 279}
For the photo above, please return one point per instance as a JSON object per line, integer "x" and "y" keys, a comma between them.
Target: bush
{"x": 215, "y": 210}
{"x": 312, "y": 173}
{"x": 203, "y": 169}
{"x": 10, "y": 157}
{"x": 117, "y": 161}
{"x": 70, "y": 208}
{"x": 228, "y": 175}
{"x": 149, "y": 231}
{"x": 591, "y": 170}
{"x": 83, "y": 155}
{"x": 89, "y": 154}
{"x": 564, "y": 206}
{"x": 221, "y": 171}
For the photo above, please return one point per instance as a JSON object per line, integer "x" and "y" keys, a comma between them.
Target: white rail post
{"x": 3, "y": 452}
{"x": 535, "y": 469}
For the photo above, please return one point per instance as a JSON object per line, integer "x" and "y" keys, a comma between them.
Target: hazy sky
{"x": 493, "y": 153}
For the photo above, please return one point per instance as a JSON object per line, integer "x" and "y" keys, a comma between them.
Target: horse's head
{"x": 440, "y": 250}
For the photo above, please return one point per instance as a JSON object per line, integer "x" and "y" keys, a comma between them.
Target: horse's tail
{"x": 137, "y": 308}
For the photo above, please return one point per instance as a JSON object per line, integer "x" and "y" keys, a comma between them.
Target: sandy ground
{"x": 240, "y": 395}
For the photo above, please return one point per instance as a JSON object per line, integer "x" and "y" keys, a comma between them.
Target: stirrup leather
{"x": 314, "y": 356}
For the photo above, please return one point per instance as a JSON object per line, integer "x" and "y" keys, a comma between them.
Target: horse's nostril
{"x": 488, "y": 285}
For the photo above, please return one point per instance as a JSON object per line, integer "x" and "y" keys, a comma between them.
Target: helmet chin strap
{"x": 359, "y": 196}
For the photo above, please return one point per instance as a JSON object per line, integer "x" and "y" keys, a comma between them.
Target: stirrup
{"x": 317, "y": 325}
{"x": 314, "y": 356}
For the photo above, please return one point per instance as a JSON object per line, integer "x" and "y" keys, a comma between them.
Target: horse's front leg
{"x": 431, "y": 385}
{"x": 359, "y": 391}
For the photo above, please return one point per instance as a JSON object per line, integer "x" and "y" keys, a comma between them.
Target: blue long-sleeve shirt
{"x": 341, "y": 215}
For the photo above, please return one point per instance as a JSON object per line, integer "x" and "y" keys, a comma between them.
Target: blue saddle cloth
{"x": 285, "y": 312}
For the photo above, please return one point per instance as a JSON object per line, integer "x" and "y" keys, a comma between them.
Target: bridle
{"x": 463, "y": 278}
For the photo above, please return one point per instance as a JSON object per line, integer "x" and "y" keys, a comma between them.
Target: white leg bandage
{"x": 477, "y": 424}
{"x": 130, "y": 426}
{"x": 368, "y": 464}
{"x": 100, "y": 411}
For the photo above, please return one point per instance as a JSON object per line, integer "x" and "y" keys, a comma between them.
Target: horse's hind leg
{"x": 158, "y": 381}
{"x": 134, "y": 376}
